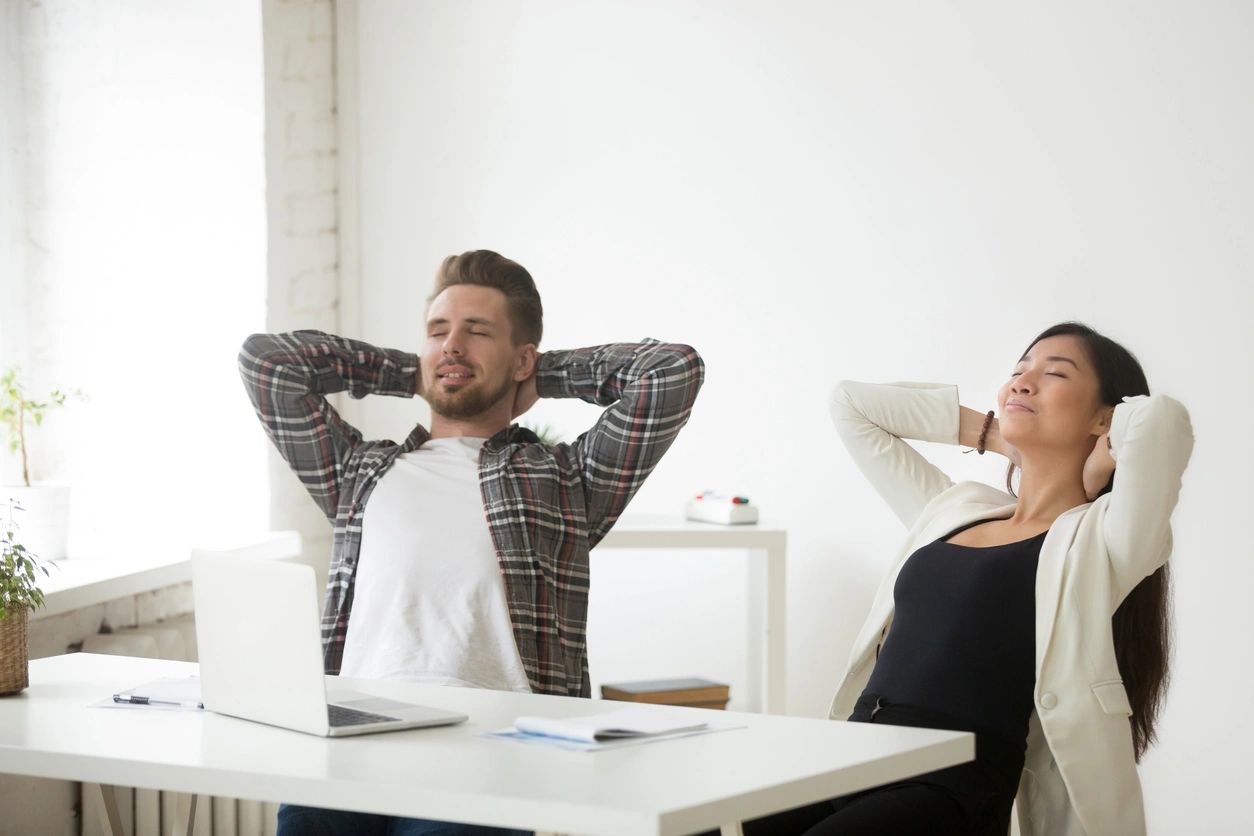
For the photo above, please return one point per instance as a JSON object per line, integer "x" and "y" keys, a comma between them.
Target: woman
{"x": 1038, "y": 622}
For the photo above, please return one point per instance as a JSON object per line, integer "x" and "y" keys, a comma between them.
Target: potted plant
{"x": 19, "y": 594}
{"x": 46, "y": 530}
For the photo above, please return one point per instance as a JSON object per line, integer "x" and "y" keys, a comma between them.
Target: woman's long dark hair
{"x": 1142, "y": 623}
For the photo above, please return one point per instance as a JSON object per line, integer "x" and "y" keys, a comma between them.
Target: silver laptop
{"x": 261, "y": 657}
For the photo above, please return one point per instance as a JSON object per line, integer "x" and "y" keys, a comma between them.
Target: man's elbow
{"x": 250, "y": 352}
{"x": 255, "y": 347}
{"x": 262, "y": 352}
{"x": 692, "y": 364}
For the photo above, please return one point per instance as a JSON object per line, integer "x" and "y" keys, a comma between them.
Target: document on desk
{"x": 610, "y": 730}
{"x": 168, "y": 692}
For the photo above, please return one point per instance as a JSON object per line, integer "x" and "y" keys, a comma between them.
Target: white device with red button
{"x": 724, "y": 509}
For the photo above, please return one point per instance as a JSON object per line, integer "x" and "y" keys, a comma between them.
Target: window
{"x": 134, "y": 261}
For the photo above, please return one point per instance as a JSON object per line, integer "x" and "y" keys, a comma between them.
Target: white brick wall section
{"x": 301, "y": 165}
{"x": 171, "y": 605}
{"x": 302, "y": 211}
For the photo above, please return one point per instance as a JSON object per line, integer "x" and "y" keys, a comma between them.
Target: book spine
{"x": 701, "y": 695}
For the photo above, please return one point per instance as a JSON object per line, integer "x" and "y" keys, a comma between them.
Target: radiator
{"x": 151, "y": 812}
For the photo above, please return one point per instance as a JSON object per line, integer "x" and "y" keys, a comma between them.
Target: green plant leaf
{"x": 18, "y": 565}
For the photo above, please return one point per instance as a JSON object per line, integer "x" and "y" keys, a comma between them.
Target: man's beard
{"x": 468, "y": 402}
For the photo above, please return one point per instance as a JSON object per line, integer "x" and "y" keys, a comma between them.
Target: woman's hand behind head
{"x": 1098, "y": 467}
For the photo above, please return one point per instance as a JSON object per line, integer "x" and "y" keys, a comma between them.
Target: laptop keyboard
{"x": 341, "y": 716}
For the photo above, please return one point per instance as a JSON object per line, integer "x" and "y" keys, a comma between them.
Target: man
{"x": 461, "y": 556}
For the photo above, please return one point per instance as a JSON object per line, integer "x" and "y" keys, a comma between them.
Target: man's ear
{"x": 525, "y": 362}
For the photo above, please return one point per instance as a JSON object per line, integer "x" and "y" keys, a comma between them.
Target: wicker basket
{"x": 13, "y": 667}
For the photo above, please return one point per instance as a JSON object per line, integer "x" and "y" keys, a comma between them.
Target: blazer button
{"x": 1048, "y": 700}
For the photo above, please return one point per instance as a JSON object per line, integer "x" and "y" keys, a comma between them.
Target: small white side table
{"x": 766, "y": 585}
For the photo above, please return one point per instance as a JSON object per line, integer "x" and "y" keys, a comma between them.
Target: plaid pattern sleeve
{"x": 288, "y": 377}
{"x": 649, "y": 389}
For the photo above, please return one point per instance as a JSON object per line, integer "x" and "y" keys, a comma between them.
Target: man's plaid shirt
{"x": 546, "y": 505}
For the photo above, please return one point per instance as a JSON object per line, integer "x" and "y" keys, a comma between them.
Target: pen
{"x": 132, "y": 700}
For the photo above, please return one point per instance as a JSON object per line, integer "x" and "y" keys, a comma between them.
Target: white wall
{"x": 143, "y": 265}
{"x": 810, "y": 190}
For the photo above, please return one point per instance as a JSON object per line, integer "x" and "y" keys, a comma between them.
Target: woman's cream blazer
{"x": 1080, "y": 774}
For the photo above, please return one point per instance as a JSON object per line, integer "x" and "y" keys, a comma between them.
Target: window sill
{"x": 87, "y": 581}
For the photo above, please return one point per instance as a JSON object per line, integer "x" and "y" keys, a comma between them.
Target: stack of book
{"x": 691, "y": 692}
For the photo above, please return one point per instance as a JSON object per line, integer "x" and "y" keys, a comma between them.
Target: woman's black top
{"x": 963, "y": 639}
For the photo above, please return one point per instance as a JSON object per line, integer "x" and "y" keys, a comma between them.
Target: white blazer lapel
{"x": 1049, "y": 575}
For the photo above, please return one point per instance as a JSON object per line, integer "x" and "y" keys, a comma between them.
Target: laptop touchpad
{"x": 377, "y": 705}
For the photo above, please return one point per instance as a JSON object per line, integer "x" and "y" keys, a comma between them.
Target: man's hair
{"x": 489, "y": 269}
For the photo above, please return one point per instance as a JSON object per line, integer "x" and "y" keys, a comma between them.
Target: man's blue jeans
{"x": 312, "y": 821}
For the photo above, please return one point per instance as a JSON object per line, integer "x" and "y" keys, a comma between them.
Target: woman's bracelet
{"x": 988, "y": 422}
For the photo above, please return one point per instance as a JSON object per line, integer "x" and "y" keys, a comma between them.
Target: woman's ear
{"x": 1101, "y": 424}
{"x": 525, "y": 362}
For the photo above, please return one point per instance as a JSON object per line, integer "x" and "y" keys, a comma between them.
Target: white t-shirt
{"x": 429, "y": 601}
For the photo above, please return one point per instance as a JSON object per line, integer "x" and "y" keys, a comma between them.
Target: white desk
{"x": 670, "y": 787}
{"x": 766, "y": 653}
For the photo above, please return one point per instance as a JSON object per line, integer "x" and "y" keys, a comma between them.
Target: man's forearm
{"x": 602, "y": 374}
{"x": 312, "y": 362}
